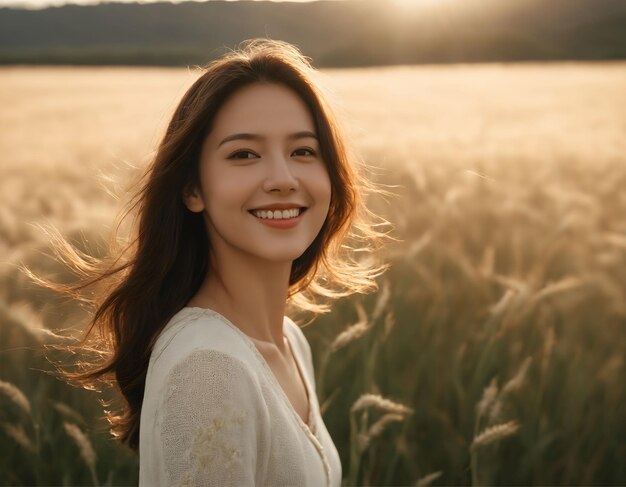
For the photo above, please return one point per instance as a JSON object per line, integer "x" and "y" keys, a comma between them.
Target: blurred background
{"x": 497, "y": 335}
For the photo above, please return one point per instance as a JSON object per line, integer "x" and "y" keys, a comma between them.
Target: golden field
{"x": 496, "y": 342}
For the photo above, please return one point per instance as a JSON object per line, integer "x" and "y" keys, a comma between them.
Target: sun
{"x": 409, "y": 4}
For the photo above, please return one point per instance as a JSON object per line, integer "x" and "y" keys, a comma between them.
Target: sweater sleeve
{"x": 211, "y": 421}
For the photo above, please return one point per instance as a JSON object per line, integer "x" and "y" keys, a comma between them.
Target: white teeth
{"x": 277, "y": 214}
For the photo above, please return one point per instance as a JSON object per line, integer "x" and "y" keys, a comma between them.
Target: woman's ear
{"x": 192, "y": 197}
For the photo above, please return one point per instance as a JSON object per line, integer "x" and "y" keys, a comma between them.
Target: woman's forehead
{"x": 263, "y": 109}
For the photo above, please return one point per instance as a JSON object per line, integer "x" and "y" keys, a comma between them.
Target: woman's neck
{"x": 252, "y": 294}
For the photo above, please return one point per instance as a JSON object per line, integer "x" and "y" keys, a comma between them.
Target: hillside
{"x": 334, "y": 33}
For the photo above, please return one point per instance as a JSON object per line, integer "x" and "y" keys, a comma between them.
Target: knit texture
{"x": 214, "y": 414}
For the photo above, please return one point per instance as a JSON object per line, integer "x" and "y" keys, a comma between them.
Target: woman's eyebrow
{"x": 246, "y": 136}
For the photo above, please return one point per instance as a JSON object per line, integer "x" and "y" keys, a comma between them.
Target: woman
{"x": 251, "y": 204}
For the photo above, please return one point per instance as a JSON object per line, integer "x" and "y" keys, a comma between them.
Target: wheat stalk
{"x": 382, "y": 301}
{"x": 19, "y": 435}
{"x": 494, "y": 433}
{"x": 503, "y": 303}
{"x": 349, "y": 335}
{"x": 389, "y": 324}
{"x": 496, "y": 411}
{"x": 490, "y": 394}
{"x": 15, "y": 395}
{"x": 67, "y": 411}
{"x": 375, "y": 400}
{"x": 377, "y": 428}
{"x": 518, "y": 380}
{"x": 428, "y": 479}
{"x": 353, "y": 332}
{"x": 84, "y": 445}
{"x": 564, "y": 285}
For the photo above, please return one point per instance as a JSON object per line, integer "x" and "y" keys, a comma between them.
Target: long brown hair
{"x": 147, "y": 281}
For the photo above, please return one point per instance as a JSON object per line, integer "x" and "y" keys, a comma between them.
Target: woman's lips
{"x": 280, "y": 223}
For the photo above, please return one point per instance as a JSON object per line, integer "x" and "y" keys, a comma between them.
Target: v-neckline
{"x": 303, "y": 380}
{"x": 309, "y": 425}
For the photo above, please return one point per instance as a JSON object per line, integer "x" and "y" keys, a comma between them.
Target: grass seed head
{"x": 496, "y": 411}
{"x": 376, "y": 429}
{"x": 494, "y": 433}
{"x": 518, "y": 381}
{"x": 383, "y": 300}
{"x": 375, "y": 400}
{"x": 349, "y": 335}
{"x": 490, "y": 394}
{"x": 84, "y": 445}
{"x": 19, "y": 435}
{"x": 379, "y": 426}
{"x": 428, "y": 479}
{"x": 15, "y": 395}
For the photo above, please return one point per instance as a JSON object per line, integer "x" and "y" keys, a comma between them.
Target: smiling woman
{"x": 250, "y": 204}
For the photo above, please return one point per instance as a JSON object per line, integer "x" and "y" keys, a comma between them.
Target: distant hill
{"x": 333, "y": 33}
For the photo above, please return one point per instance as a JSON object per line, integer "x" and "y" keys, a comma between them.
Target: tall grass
{"x": 493, "y": 353}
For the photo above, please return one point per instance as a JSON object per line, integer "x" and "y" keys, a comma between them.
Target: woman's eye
{"x": 304, "y": 151}
{"x": 243, "y": 154}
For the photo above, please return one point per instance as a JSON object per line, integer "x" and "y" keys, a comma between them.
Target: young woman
{"x": 251, "y": 203}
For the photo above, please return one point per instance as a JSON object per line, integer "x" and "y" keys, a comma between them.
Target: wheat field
{"x": 493, "y": 352}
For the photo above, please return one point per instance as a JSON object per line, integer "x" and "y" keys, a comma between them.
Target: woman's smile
{"x": 282, "y": 219}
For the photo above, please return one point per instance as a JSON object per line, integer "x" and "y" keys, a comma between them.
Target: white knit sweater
{"x": 214, "y": 414}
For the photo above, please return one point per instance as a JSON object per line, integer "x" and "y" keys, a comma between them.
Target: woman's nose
{"x": 280, "y": 176}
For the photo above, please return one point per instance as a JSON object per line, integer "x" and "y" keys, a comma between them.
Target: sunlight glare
{"x": 409, "y": 4}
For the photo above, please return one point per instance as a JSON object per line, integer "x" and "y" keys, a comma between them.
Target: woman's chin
{"x": 282, "y": 256}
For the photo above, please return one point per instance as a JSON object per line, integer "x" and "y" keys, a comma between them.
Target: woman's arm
{"x": 212, "y": 422}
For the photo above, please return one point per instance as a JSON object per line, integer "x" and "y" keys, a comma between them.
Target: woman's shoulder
{"x": 298, "y": 339}
{"x": 294, "y": 330}
{"x": 194, "y": 330}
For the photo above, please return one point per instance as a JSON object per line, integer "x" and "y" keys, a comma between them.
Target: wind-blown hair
{"x": 160, "y": 268}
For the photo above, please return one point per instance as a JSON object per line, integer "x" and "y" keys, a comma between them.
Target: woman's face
{"x": 264, "y": 188}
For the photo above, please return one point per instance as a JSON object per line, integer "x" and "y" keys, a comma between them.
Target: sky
{"x": 47, "y": 3}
